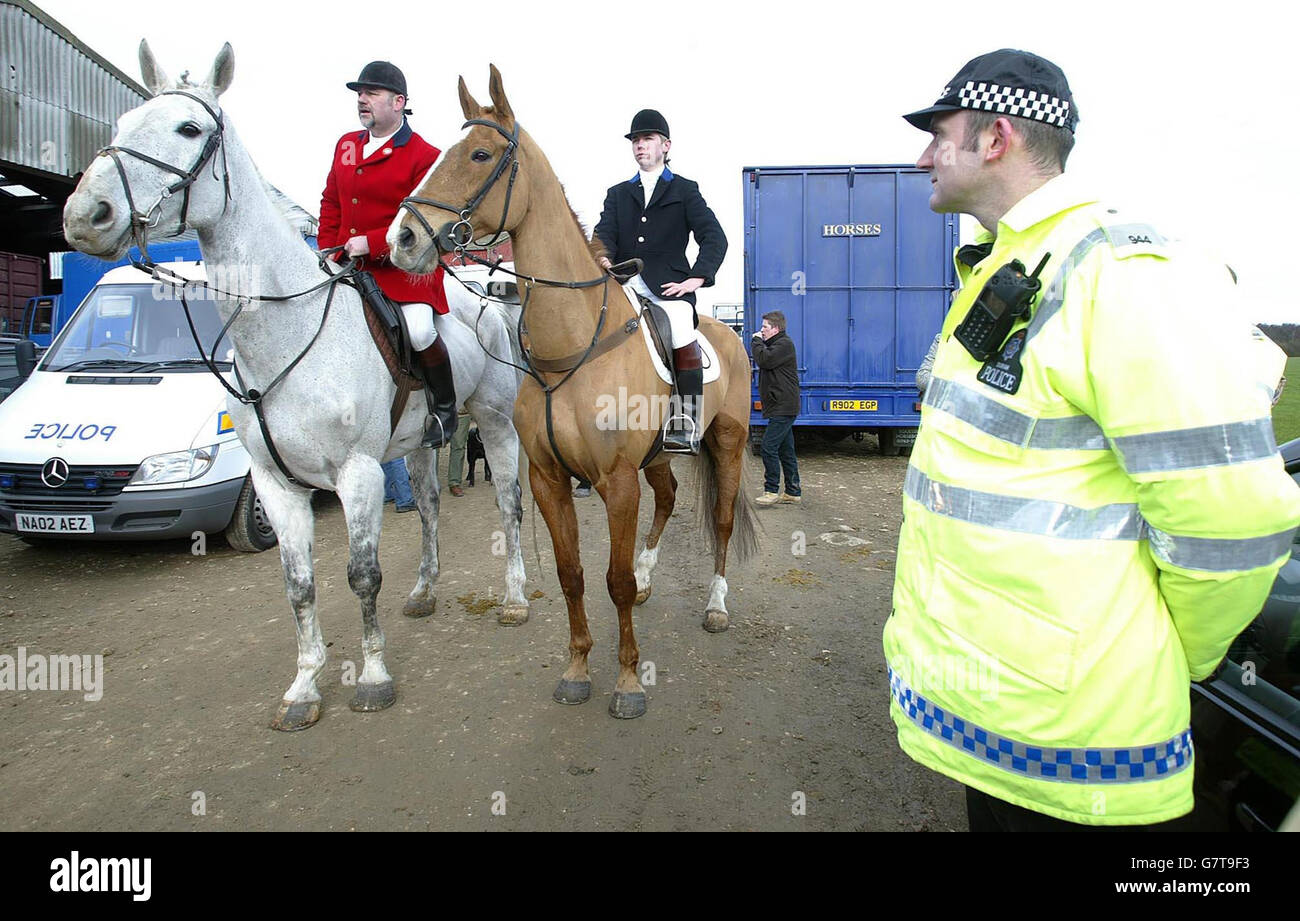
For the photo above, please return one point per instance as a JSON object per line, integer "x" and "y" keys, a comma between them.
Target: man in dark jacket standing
{"x": 778, "y": 389}
{"x": 372, "y": 171}
{"x": 651, "y": 217}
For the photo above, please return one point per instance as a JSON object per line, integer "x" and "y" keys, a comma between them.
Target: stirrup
{"x": 434, "y": 441}
{"x": 676, "y": 441}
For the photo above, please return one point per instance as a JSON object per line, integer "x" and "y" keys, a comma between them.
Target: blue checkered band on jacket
{"x": 1066, "y": 765}
{"x": 1011, "y": 100}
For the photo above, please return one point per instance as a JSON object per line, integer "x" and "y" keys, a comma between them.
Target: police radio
{"x": 1006, "y": 298}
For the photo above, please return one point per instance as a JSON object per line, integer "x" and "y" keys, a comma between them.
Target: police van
{"x": 121, "y": 430}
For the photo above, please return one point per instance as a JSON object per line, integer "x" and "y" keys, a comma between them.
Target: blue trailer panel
{"x": 862, "y": 269}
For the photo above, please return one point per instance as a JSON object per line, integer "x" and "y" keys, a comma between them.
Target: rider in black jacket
{"x": 651, "y": 217}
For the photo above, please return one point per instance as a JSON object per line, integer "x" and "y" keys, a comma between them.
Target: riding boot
{"x": 683, "y": 432}
{"x": 440, "y": 392}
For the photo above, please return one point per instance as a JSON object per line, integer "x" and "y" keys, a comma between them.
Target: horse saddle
{"x": 658, "y": 337}
{"x": 387, "y": 325}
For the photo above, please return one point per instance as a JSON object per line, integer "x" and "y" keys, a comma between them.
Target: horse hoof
{"x": 716, "y": 621}
{"x": 642, "y": 596}
{"x": 572, "y": 692}
{"x": 512, "y": 615}
{"x": 627, "y": 706}
{"x": 292, "y": 717}
{"x": 422, "y": 608}
{"x": 372, "y": 697}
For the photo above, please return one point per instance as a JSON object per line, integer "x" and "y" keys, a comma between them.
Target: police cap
{"x": 1007, "y": 82}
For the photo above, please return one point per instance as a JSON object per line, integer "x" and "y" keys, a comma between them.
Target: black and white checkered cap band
{"x": 1009, "y": 100}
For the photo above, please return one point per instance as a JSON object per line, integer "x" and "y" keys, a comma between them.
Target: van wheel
{"x": 249, "y": 529}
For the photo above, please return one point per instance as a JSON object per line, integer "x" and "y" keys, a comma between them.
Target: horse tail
{"x": 744, "y": 529}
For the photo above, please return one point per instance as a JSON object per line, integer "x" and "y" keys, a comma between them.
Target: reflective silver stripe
{"x": 1051, "y": 299}
{"x": 1071, "y": 433}
{"x": 1209, "y": 554}
{"x": 1205, "y": 446}
{"x": 1120, "y": 521}
{"x": 1134, "y": 764}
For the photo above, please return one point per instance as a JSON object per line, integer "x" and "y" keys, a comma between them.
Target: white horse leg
{"x": 501, "y": 445}
{"x": 424, "y": 485}
{"x": 361, "y": 490}
{"x": 645, "y": 567}
{"x": 289, "y": 510}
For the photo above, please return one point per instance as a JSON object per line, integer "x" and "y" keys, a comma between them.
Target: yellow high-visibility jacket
{"x": 1075, "y": 551}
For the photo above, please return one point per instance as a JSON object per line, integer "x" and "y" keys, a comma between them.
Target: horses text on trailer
{"x": 862, "y": 269}
{"x": 121, "y": 432}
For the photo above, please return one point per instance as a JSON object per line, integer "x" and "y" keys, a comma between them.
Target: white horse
{"x": 329, "y": 416}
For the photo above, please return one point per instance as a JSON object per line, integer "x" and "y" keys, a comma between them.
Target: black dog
{"x": 473, "y": 451}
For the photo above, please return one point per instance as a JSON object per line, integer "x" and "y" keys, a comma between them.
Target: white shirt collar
{"x": 375, "y": 143}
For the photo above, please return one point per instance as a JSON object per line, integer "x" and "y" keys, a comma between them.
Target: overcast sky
{"x": 1181, "y": 104}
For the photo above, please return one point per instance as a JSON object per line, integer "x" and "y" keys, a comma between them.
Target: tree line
{"x": 1286, "y": 335}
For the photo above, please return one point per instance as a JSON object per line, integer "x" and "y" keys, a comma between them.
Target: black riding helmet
{"x": 648, "y": 121}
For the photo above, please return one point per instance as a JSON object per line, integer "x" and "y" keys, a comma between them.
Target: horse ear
{"x": 223, "y": 70}
{"x": 498, "y": 94}
{"x": 467, "y": 104}
{"x": 155, "y": 80}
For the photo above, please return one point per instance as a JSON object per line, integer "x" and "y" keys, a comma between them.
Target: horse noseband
{"x": 454, "y": 237}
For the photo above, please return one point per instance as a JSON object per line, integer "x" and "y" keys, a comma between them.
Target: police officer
{"x": 372, "y": 171}
{"x": 1095, "y": 505}
{"x": 651, "y": 217}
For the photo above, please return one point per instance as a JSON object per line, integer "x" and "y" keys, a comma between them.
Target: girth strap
{"x": 568, "y": 362}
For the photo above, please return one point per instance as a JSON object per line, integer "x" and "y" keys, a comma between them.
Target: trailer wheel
{"x": 249, "y": 529}
{"x": 756, "y": 442}
{"x": 888, "y": 442}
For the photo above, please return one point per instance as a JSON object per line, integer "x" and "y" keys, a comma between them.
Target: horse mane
{"x": 594, "y": 246}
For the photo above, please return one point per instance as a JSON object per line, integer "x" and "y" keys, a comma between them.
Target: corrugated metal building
{"x": 59, "y": 101}
{"x": 59, "y": 104}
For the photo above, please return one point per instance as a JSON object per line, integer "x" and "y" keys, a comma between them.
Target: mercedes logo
{"x": 55, "y": 472}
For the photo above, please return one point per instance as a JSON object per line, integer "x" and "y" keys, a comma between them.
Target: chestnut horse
{"x": 496, "y": 178}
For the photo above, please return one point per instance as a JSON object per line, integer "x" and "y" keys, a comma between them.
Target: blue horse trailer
{"x": 862, "y": 269}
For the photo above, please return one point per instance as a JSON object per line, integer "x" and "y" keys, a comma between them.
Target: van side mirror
{"x": 25, "y": 358}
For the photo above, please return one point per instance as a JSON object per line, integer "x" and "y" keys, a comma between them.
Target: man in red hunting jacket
{"x": 373, "y": 171}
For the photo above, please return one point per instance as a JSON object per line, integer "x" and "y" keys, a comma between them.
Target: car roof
{"x": 130, "y": 275}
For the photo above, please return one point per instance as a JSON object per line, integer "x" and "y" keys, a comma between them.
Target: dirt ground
{"x": 198, "y": 649}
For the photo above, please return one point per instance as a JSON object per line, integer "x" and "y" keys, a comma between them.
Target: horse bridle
{"x": 462, "y": 232}
{"x": 141, "y": 221}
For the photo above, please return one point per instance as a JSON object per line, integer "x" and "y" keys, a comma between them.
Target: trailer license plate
{"x": 853, "y": 405}
{"x": 57, "y": 524}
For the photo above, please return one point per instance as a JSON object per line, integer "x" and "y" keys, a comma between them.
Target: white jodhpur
{"x": 419, "y": 323}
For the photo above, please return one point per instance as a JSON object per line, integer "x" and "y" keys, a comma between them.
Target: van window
{"x": 137, "y": 327}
